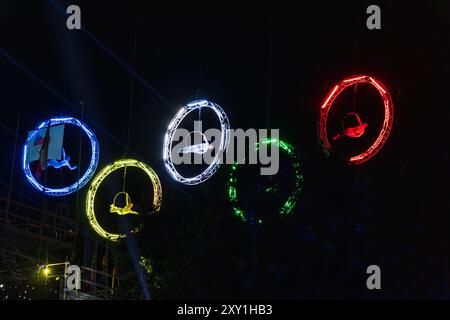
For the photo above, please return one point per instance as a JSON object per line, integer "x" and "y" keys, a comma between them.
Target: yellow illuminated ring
{"x": 90, "y": 200}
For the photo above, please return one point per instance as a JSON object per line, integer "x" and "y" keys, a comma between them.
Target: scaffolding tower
{"x": 31, "y": 238}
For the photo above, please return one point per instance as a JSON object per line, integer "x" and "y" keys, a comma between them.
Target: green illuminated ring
{"x": 90, "y": 200}
{"x": 289, "y": 204}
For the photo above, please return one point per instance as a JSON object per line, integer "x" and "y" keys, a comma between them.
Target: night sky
{"x": 268, "y": 66}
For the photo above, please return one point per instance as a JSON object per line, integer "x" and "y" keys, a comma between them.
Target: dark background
{"x": 268, "y": 65}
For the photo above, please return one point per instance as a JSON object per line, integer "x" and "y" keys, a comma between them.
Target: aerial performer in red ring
{"x": 359, "y": 130}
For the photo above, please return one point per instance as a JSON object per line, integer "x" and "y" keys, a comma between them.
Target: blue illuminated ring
{"x": 87, "y": 175}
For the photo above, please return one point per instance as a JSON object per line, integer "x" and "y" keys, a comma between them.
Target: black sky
{"x": 263, "y": 63}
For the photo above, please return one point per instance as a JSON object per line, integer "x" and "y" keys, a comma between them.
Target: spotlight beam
{"x": 113, "y": 55}
{"x": 62, "y": 98}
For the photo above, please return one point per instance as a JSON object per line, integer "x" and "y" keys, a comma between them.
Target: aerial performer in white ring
{"x": 200, "y": 148}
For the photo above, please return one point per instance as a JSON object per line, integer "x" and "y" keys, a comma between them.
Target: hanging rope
{"x": 44, "y": 196}
{"x": 77, "y": 208}
{"x": 130, "y": 107}
{"x": 269, "y": 77}
{"x": 61, "y": 115}
{"x": 355, "y": 89}
{"x": 196, "y": 99}
{"x": 124, "y": 179}
{"x": 200, "y": 85}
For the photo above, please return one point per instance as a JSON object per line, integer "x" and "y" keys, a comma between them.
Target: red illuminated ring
{"x": 387, "y": 124}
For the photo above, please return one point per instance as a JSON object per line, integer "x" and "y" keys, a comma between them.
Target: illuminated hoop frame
{"x": 87, "y": 175}
{"x": 387, "y": 124}
{"x": 90, "y": 199}
{"x": 168, "y": 139}
{"x": 289, "y": 204}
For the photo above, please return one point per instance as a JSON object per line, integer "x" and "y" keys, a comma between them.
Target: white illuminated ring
{"x": 87, "y": 175}
{"x": 168, "y": 139}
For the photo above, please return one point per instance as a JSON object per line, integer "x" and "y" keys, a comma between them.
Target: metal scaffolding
{"x": 26, "y": 231}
